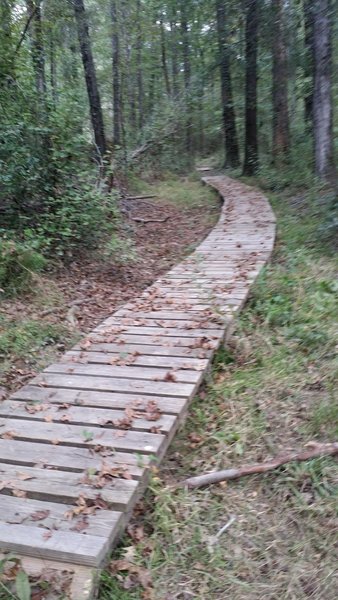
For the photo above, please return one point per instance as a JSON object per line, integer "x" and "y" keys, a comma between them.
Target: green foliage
{"x": 19, "y": 264}
{"x": 27, "y": 337}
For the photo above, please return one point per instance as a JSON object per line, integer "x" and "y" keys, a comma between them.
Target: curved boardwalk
{"x": 76, "y": 442}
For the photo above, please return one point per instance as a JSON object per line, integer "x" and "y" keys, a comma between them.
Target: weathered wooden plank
{"x": 66, "y": 487}
{"x": 65, "y": 458}
{"x": 110, "y": 384}
{"x": 33, "y": 394}
{"x": 154, "y": 339}
{"x": 66, "y": 546}
{"x": 153, "y": 360}
{"x": 129, "y": 372}
{"x": 213, "y": 333}
{"x": 75, "y": 435}
{"x": 54, "y": 516}
{"x": 145, "y": 350}
{"x": 81, "y": 415}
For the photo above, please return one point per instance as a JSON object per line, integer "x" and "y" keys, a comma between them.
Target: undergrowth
{"x": 272, "y": 390}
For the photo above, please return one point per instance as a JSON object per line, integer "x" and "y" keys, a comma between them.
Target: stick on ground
{"x": 313, "y": 451}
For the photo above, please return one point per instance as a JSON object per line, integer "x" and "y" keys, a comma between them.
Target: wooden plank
{"x": 80, "y": 415}
{"x": 64, "y": 458}
{"x": 136, "y": 360}
{"x": 34, "y": 394}
{"x": 145, "y": 350}
{"x": 53, "y": 516}
{"x": 110, "y": 384}
{"x": 65, "y": 487}
{"x": 67, "y": 546}
{"x": 213, "y": 333}
{"x": 75, "y": 435}
{"x": 129, "y": 372}
{"x": 167, "y": 342}
{"x": 83, "y": 581}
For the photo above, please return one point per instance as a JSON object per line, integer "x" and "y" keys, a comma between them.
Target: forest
{"x": 93, "y": 93}
{"x": 110, "y": 113}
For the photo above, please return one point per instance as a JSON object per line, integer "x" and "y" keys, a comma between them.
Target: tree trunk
{"x": 309, "y": 66}
{"x": 322, "y": 100}
{"x": 90, "y": 77}
{"x": 280, "y": 118}
{"x": 116, "y": 73}
{"x": 7, "y": 74}
{"x": 174, "y": 58}
{"x": 38, "y": 52}
{"x": 229, "y": 120}
{"x": 53, "y": 78}
{"x": 187, "y": 74}
{"x": 164, "y": 59}
{"x": 251, "y": 46}
{"x": 139, "y": 43}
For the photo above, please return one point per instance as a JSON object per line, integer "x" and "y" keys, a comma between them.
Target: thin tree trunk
{"x": 251, "y": 46}
{"x": 139, "y": 43}
{"x": 164, "y": 59}
{"x": 53, "y": 80}
{"x": 309, "y": 67}
{"x": 38, "y": 52}
{"x": 116, "y": 73}
{"x": 280, "y": 128}
{"x": 187, "y": 74}
{"x": 7, "y": 72}
{"x": 229, "y": 119}
{"x": 174, "y": 58}
{"x": 90, "y": 77}
{"x": 322, "y": 97}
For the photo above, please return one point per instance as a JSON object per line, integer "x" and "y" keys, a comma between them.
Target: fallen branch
{"x": 314, "y": 451}
{"x": 139, "y": 220}
{"x": 140, "y": 197}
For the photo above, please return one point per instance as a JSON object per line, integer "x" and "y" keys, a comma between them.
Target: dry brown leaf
{"x": 39, "y": 515}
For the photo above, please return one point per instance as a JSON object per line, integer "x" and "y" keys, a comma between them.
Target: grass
{"x": 272, "y": 389}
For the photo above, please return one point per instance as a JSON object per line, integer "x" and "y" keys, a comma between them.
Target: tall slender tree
{"x": 139, "y": 45}
{"x": 37, "y": 44}
{"x": 322, "y": 96}
{"x": 116, "y": 72}
{"x": 309, "y": 61}
{"x": 251, "y": 48}
{"x": 280, "y": 117}
{"x": 6, "y": 43}
{"x": 187, "y": 73}
{"x": 229, "y": 120}
{"x": 90, "y": 76}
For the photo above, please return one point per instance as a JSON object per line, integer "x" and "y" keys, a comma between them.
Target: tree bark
{"x": 322, "y": 97}
{"x": 174, "y": 58}
{"x": 187, "y": 74}
{"x": 90, "y": 77}
{"x": 309, "y": 66}
{"x": 229, "y": 119}
{"x": 116, "y": 72}
{"x": 315, "y": 450}
{"x": 164, "y": 59}
{"x": 280, "y": 117}
{"x": 7, "y": 71}
{"x": 251, "y": 46}
{"x": 38, "y": 51}
{"x": 139, "y": 43}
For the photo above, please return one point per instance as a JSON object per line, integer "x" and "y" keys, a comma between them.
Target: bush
{"x": 19, "y": 263}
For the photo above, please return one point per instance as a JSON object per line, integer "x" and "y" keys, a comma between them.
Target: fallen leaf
{"x": 39, "y": 515}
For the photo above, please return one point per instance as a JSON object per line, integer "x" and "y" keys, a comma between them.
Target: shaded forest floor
{"x": 36, "y": 327}
{"x": 272, "y": 390}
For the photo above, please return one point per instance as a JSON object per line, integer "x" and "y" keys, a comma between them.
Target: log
{"x": 313, "y": 450}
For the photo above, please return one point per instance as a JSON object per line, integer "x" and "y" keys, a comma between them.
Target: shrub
{"x": 19, "y": 263}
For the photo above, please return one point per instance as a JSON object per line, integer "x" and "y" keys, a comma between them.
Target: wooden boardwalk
{"x": 77, "y": 441}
